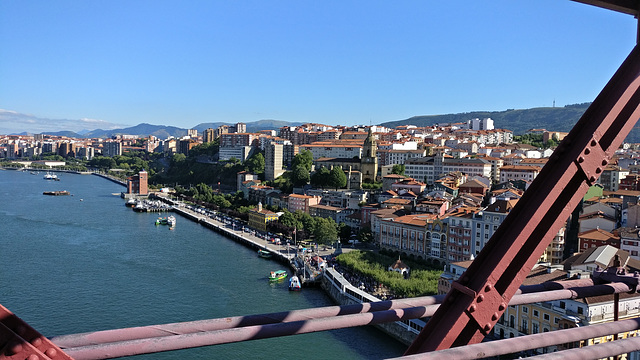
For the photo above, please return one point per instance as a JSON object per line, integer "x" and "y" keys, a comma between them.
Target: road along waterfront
{"x": 70, "y": 266}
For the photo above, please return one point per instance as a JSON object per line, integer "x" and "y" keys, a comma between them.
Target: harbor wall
{"x": 344, "y": 293}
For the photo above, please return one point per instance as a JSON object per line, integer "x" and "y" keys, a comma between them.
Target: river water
{"x": 85, "y": 262}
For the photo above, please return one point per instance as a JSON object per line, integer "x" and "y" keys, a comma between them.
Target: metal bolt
{"x": 604, "y": 162}
{"x": 487, "y": 327}
{"x": 587, "y": 151}
{"x": 594, "y": 143}
{"x": 495, "y": 316}
{"x": 13, "y": 349}
{"x": 36, "y": 342}
{"x": 480, "y": 298}
{"x": 51, "y": 352}
{"x": 502, "y": 306}
{"x": 488, "y": 288}
{"x": 473, "y": 308}
{"x": 33, "y": 357}
{"x": 592, "y": 179}
{"x": 581, "y": 159}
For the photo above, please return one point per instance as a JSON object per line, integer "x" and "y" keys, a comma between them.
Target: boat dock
{"x": 287, "y": 256}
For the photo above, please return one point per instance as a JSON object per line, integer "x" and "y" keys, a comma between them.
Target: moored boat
{"x": 130, "y": 203}
{"x": 56, "y": 193}
{"x": 265, "y": 254}
{"x": 294, "y": 283}
{"x": 50, "y": 176}
{"x": 171, "y": 221}
{"x": 277, "y": 275}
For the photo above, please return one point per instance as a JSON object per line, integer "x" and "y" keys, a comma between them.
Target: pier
{"x": 283, "y": 253}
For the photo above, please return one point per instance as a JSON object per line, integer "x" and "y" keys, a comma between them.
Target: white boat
{"x": 171, "y": 221}
{"x": 50, "y": 176}
{"x": 294, "y": 283}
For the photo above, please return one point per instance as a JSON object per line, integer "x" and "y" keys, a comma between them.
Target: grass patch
{"x": 423, "y": 279}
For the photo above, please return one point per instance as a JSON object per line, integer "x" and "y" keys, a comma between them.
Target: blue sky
{"x": 344, "y": 62}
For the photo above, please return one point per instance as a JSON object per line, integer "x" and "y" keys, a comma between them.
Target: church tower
{"x": 369, "y": 159}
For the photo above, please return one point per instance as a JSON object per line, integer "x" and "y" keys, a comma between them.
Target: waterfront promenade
{"x": 288, "y": 254}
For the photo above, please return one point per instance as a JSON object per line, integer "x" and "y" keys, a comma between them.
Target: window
{"x": 525, "y": 326}
{"x": 536, "y": 313}
{"x": 562, "y": 305}
{"x": 546, "y": 317}
{"x": 534, "y": 328}
{"x": 580, "y": 310}
{"x": 556, "y": 320}
{"x": 525, "y": 309}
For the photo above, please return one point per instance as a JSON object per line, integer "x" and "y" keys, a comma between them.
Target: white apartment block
{"x": 431, "y": 168}
{"x": 333, "y": 151}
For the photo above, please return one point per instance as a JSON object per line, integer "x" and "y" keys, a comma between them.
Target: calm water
{"x": 71, "y": 264}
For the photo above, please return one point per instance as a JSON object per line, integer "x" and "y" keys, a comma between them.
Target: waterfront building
{"x": 259, "y": 218}
{"x": 330, "y": 212}
{"x": 405, "y": 234}
{"x": 138, "y": 184}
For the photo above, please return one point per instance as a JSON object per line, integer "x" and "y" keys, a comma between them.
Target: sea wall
{"x": 343, "y": 293}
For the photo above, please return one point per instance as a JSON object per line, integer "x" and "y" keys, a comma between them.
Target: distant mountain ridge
{"x": 516, "y": 120}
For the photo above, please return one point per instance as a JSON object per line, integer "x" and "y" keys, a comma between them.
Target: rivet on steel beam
{"x": 33, "y": 357}
{"x": 594, "y": 143}
{"x": 480, "y": 298}
{"x": 580, "y": 159}
{"x": 13, "y": 349}
{"x": 502, "y": 306}
{"x": 587, "y": 151}
{"x": 487, "y": 327}
{"x": 494, "y": 317}
{"x": 36, "y": 342}
{"x": 51, "y": 352}
{"x": 592, "y": 179}
{"x": 604, "y": 162}
{"x": 598, "y": 170}
{"x": 473, "y": 308}
{"x": 488, "y": 288}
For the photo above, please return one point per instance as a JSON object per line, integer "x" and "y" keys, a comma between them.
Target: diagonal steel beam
{"x": 478, "y": 299}
{"x": 630, "y": 7}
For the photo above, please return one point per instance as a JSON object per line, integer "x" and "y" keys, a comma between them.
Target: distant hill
{"x": 143, "y": 129}
{"x": 518, "y": 121}
{"x": 255, "y": 126}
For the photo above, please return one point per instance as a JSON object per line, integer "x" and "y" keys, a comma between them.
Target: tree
{"x": 325, "y": 231}
{"x": 255, "y": 164}
{"x": 300, "y": 175}
{"x": 321, "y": 177}
{"x": 304, "y": 157}
{"x": 344, "y": 231}
{"x": 337, "y": 178}
{"x": 398, "y": 169}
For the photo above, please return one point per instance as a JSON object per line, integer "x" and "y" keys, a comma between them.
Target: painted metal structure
{"x": 478, "y": 299}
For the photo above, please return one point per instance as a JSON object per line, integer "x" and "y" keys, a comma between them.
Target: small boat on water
{"x": 265, "y": 254}
{"x": 294, "y": 283}
{"x": 130, "y": 203}
{"x": 171, "y": 221}
{"x": 56, "y": 193}
{"x": 50, "y": 176}
{"x": 277, "y": 275}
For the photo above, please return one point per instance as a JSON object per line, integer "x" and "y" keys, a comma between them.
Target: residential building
{"x": 259, "y": 218}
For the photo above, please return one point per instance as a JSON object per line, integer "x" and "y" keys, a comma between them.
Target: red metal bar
{"x": 530, "y": 342}
{"x": 99, "y": 337}
{"x": 599, "y": 351}
{"x": 18, "y": 340}
{"x": 497, "y": 272}
{"x": 114, "y": 343}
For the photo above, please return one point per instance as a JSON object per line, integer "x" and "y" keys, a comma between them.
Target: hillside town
{"x": 431, "y": 194}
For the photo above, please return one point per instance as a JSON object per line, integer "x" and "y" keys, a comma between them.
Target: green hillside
{"x": 518, "y": 121}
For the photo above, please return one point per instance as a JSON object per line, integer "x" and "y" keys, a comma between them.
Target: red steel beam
{"x": 523, "y": 343}
{"x": 630, "y": 7}
{"x": 478, "y": 299}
